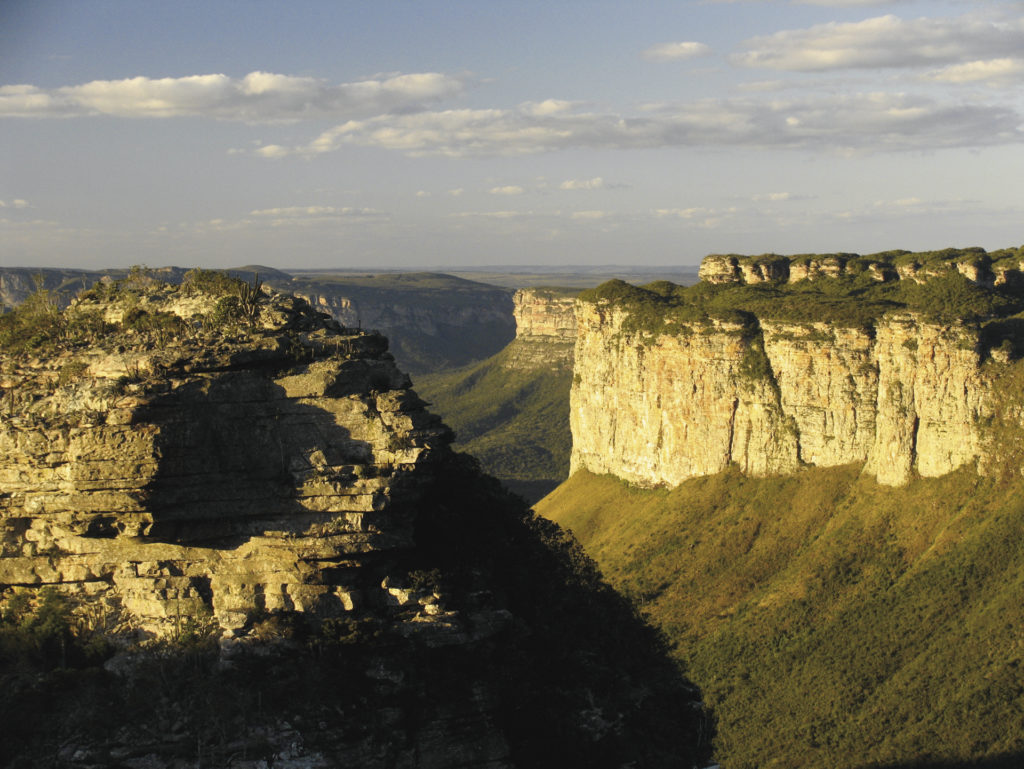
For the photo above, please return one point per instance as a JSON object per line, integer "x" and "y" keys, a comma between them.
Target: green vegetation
{"x": 855, "y": 298}
{"x": 829, "y": 621}
{"x": 38, "y": 325}
{"x": 514, "y": 420}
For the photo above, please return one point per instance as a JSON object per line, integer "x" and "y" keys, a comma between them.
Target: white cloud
{"x": 492, "y": 215}
{"x": 884, "y": 41}
{"x": 305, "y": 212}
{"x": 456, "y": 192}
{"x": 676, "y": 51}
{"x": 699, "y": 217}
{"x": 865, "y": 121}
{"x": 681, "y": 213}
{"x": 259, "y": 96}
{"x": 591, "y": 215}
{"x": 582, "y": 184}
{"x": 1007, "y": 71}
{"x": 509, "y": 189}
{"x": 547, "y": 107}
{"x": 16, "y": 203}
{"x": 772, "y": 197}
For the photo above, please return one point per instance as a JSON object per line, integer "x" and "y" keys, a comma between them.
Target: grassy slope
{"x": 830, "y": 621}
{"x": 516, "y": 422}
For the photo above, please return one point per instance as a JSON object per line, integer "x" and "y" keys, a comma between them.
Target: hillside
{"x": 830, "y": 621}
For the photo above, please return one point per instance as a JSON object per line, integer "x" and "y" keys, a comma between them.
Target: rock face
{"x": 224, "y": 480}
{"x": 974, "y": 264}
{"x": 902, "y": 397}
{"x": 545, "y": 329}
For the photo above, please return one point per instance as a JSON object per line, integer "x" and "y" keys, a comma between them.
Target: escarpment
{"x": 248, "y": 507}
{"x": 773, "y": 363}
{"x": 545, "y": 329}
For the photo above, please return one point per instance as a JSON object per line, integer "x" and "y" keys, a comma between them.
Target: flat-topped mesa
{"x": 974, "y": 264}
{"x": 545, "y": 328}
{"x": 172, "y": 452}
{"x": 671, "y": 383}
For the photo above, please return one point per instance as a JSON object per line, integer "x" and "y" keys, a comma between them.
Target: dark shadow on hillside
{"x": 531, "y": 491}
{"x": 583, "y": 681}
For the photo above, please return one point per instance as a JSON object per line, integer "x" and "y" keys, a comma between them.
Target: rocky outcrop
{"x": 167, "y": 481}
{"x": 545, "y": 329}
{"x": 976, "y": 265}
{"x": 906, "y": 396}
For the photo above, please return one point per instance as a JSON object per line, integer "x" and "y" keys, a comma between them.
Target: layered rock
{"x": 907, "y": 396}
{"x": 976, "y": 265}
{"x": 227, "y": 479}
{"x": 545, "y": 329}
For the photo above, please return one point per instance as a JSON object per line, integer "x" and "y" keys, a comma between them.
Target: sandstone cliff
{"x": 545, "y": 329}
{"x": 665, "y": 390}
{"x": 206, "y": 464}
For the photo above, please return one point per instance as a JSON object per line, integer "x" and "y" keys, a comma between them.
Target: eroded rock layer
{"x": 904, "y": 396}
{"x": 256, "y": 475}
{"x": 545, "y": 329}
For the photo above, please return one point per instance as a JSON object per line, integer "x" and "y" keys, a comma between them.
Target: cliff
{"x": 249, "y": 515}
{"x": 545, "y": 329}
{"x": 775, "y": 363}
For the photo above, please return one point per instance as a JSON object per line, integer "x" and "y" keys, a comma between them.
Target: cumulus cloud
{"x": 16, "y": 203}
{"x": 508, "y": 189}
{"x": 259, "y": 96}
{"x": 872, "y": 121}
{"x": 884, "y": 41}
{"x": 676, "y": 51}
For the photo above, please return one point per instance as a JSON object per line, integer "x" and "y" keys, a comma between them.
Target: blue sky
{"x": 451, "y": 134}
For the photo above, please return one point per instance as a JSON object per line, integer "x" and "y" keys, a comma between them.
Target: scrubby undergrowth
{"x": 829, "y": 620}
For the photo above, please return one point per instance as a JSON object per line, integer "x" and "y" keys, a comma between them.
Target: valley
{"x": 804, "y": 471}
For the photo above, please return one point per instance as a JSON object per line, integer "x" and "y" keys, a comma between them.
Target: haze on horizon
{"x": 430, "y": 134}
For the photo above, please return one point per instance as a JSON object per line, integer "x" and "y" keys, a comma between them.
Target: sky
{"x": 461, "y": 133}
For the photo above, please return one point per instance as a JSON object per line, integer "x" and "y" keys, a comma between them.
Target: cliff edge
{"x": 772, "y": 363}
